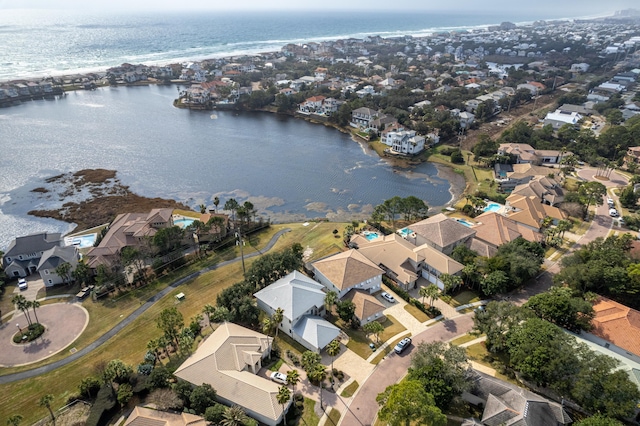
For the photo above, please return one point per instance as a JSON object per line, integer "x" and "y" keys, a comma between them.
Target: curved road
{"x": 364, "y": 408}
{"x": 135, "y": 314}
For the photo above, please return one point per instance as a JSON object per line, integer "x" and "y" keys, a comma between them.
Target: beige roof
{"x": 142, "y": 416}
{"x": 542, "y": 187}
{"x": 532, "y": 211}
{"x": 438, "y": 260}
{"x": 224, "y": 360}
{"x": 441, "y": 230}
{"x": 347, "y": 269}
{"x": 394, "y": 252}
{"x": 515, "y": 148}
{"x": 530, "y": 170}
{"x": 483, "y": 248}
{"x": 497, "y": 230}
{"x": 366, "y": 304}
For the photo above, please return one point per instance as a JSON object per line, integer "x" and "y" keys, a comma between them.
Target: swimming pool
{"x": 492, "y": 207}
{"x": 404, "y": 232}
{"x": 370, "y": 235}
{"x": 183, "y": 222}
{"x": 465, "y": 223}
{"x": 81, "y": 241}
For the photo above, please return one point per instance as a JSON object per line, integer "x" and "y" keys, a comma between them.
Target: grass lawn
{"x": 129, "y": 344}
{"x": 481, "y": 355}
{"x": 464, "y": 339}
{"x": 463, "y": 298}
{"x": 350, "y": 390}
{"x": 417, "y": 313}
{"x": 359, "y": 342}
{"x": 309, "y": 417}
{"x": 334, "y": 417}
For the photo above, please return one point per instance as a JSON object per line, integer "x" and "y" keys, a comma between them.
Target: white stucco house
{"x": 302, "y": 301}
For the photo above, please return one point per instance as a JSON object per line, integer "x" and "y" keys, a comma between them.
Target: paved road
{"x": 9, "y": 378}
{"x": 364, "y": 408}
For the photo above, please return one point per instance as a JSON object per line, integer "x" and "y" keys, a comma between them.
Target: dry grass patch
{"x": 350, "y": 390}
{"x": 463, "y": 298}
{"x": 464, "y": 339}
{"x": 309, "y": 416}
{"x": 417, "y": 313}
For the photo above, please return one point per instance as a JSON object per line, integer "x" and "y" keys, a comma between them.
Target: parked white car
{"x": 22, "y": 284}
{"x": 278, "y": 377}
{"x": 610, "y": 202}
{"x": 402, "y": 345}
{"x": 613, "y": 212}
{"x": 389, "y": 298}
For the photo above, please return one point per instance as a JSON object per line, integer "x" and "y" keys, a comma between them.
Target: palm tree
{"x": 423, "y": 292}
{"x": 35, "y": 305}
{"x": 203, "y": 208}
{"x": 432, "y": 293}
{"x": 563, "y": 226}
{"x": 208, "y": 310}
{"x": 333, "y": 349}
{"x": 318, "y": 374}
{"x": 22, "y": 303}
{"x": 293, "y": 377}
{"x": 330, "y": 299}
{"x": 276, "y": 319}
{"x": 216, "y": 201}
{"x": 153, "y": 345}
{"x": 46, "y": 401}
{"x": 234, "y": 416}
{"x": 283, "y": 396}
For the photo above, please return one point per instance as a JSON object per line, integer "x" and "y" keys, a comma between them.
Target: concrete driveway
{"x": 35, "y": 283}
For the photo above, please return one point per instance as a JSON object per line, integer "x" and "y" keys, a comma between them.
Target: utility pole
{"x": 239, "y": 236}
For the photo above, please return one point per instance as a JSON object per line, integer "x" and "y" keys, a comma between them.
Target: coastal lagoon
{"x": 290, "y": 169}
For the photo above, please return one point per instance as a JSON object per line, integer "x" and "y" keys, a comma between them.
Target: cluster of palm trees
{"x": 554, "y": 235}
{"x": 431, "y": 291}
{"x": 24, "y": 305}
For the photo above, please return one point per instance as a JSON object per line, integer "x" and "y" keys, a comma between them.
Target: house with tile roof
{"x": 530, "y": 211}
{"x": 440, "y": 232}
{"x": 145, "y": 416}
{"x": 128, "y": 230}
{"x": 405, "y": 263}
{"x": 229, "y": 360}
{"x": 496, "y": 230}
{"x": 506, "y": 404}
{"x": 525, "y": 153}
{"x": 302, "y": 302}
{"x": 616, "y": 327}
{"x": 368, "y": 308}
{"x": 548, "y": 189}
{"x": 348, "y": 270}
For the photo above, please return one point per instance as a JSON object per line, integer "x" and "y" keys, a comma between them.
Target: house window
{"x": 50, "y": 282}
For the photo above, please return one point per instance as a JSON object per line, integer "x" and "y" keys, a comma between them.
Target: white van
{"x": 613, "y": 212}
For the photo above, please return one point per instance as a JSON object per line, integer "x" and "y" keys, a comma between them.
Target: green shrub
{"x": 34, "y": 331}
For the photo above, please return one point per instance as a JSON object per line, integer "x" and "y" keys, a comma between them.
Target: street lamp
{"x": 20, "y": 330}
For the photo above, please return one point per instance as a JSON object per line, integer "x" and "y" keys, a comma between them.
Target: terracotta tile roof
{"x": 395, "y": 253}
{"x": 442, "y": 230}
{"x": 617, "y": 324}
{"x": 366, "y": 305}
{"x": 483, "y": 248}
{"x": 347, "y": 269}
{"x": 438, "y": 260}
{"x": 497, "y": 230}
{"x": 531, "y": 211}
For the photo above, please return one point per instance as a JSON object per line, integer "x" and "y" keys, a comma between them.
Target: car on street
{"x": 279, "y": 377}
{"x": 610, "y": 202}
{"x": 402, "y": 345}
{"x": 389, "y": 298}
{"x": 613, "y": 212}
{"x": 22, "y": 284}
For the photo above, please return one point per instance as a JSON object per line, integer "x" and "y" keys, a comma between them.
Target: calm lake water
{"x": 288, "y": 168}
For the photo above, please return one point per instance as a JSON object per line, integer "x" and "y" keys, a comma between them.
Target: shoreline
{"x": 273, "y": 46}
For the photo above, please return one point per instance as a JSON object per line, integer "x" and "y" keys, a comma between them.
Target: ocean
{"x": 40, "y": 43}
